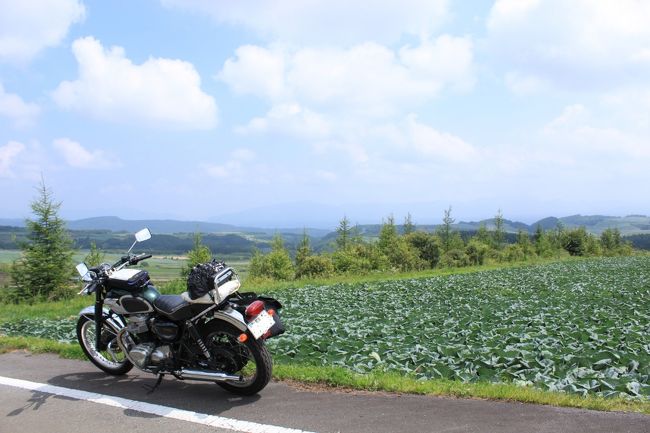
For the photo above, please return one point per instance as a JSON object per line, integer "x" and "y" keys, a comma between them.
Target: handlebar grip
{"x": 145, "y": 257}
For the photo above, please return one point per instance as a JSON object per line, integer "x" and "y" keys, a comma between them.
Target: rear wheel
{"x": 251, "y": 360}
{"x": 109, "y": 357}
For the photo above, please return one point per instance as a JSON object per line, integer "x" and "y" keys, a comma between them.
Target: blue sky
{"x": 295, "y": 112}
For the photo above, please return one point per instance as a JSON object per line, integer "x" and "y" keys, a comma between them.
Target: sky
{"x": 293, "y": 113}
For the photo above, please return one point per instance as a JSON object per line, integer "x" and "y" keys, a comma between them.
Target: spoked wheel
{"x": 251, "y": 360}
{"x": 110, "y": 357}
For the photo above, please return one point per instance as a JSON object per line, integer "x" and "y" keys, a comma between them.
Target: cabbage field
{"x": 579, "y": 327}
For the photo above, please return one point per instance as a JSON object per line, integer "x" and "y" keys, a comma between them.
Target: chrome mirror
{"x": 143, "y": 235}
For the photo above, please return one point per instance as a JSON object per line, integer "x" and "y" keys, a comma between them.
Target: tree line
{"x": 410, "y": 249}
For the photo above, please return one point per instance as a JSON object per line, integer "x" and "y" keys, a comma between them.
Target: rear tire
{"x": 102, "y": 359}
{"x": 255, "y": 351}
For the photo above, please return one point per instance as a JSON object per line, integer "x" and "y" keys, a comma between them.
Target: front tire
{"x": 110, "y": 359}
{"x": 252, "y": 360}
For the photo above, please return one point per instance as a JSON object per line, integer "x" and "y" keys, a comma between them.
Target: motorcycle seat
{"x": 169, "y": 304}
{"x": 205, "y": 299}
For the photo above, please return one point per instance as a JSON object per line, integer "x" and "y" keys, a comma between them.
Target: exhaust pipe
{"x": 211, "y": 376}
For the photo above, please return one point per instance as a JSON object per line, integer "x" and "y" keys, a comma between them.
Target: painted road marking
{"x": 154, "y": 409}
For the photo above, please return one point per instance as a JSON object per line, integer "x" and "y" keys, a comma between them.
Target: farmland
{"x": 579, "y": 327}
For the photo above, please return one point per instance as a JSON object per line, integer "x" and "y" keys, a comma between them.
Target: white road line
{"x": 154, "y": 409}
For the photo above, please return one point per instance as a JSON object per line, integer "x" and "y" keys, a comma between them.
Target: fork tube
{"x": 99, "y": 303}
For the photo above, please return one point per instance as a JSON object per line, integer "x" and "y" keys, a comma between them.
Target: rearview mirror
{"x": 83, "y": 270}
{"x": 143, "y": 235}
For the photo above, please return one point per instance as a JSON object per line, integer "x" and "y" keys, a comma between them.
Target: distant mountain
{"x": 117, "y": 224}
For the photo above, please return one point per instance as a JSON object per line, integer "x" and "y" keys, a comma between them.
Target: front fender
{"x": 117, "y": 322}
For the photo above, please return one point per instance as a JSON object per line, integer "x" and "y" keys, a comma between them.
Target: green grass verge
{"x": 341, "y": 378}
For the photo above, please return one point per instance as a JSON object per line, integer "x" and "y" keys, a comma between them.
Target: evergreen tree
{"x": 94, "y": 257}
{"x": 409, "y": 226}
{"x": 45, "y": 268}
{"x": 344, "y": 234}
{"x": 445, "y": 231}
{"x": 200, "y": 253}
{"x": 304, "y": 249}
{"x": 499, "y": 230}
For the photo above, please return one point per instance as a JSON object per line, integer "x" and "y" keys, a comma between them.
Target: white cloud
{"x": 29, "y": 26}
{"x": 79, "y": 157}
{"x": 234, "y": 168}
{"x": 160, "y": 92}
{"x": 432, "y": 143}
{"x": 325, "y": 21}
{"x": 20, "y": 112}
{"x": 289, "y": 119}
{"x": 368, "y": 78}
{"x": 580, "y": 44}
{"x": 8, "y": 153}
{"x": 522, "y": 85}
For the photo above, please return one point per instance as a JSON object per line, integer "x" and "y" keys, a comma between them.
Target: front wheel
{"x": 251, "y": 360}
{"x": 110, "y": 357}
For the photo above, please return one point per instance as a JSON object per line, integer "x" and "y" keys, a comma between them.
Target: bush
{"x": 276, "y": 265}
{"x": 455, "y": 258}
{"x": 513, "y": 253}
{"x": 427, "y": 246}
{"x": 315, "y": 266}
{"x": 476, "y": 252}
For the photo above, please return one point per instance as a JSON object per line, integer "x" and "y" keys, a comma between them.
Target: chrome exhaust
{"x": 211, "y": 376}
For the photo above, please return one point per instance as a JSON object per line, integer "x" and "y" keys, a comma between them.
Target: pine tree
{"x": 499, "y": 231}
{"x": 344, "y": 233}
{"x": 409, "y": 225}
{"x": 94, "y": 257}
{"x": 46, "y": 266}
{"x": 200, "y": 253}
{"x": 445, "y": 232}
{"x": 304, "y": 249}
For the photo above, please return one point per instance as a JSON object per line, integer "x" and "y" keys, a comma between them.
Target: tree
{"x": 523, "y": 240}
{"x": 445, "y": 231}
{"x": 94, "y": 257}
{"x": 409, "y": 225}
{"x": 499, "y": 231}
{"x": 276, "y": 265}
{"x": 427, "y": 246}
{"x": 304, "y": 249}
{"x": 200, "y": 253}
{"x": 344, "y": 233}
{"x": 45, "y": 268}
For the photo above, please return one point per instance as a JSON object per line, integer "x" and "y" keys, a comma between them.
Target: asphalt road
{"x": 279, "y": 404}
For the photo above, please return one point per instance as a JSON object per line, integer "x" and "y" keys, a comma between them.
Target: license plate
{"x": 262, "y": 323}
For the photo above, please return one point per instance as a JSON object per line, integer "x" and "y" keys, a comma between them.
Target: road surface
{"x": 45, "y": 393}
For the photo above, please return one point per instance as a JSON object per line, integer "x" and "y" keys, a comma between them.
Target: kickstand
{"x": 151, "y": 389}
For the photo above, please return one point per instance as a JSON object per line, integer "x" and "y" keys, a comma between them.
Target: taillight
{"x": 255, "y": 308}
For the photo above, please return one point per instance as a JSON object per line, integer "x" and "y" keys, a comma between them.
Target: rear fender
{"x": 233, "y": 317}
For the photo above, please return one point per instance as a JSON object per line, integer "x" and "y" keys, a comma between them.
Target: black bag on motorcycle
{"x": 201, "y": 278}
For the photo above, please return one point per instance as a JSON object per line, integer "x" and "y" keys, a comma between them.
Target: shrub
{"x": 476, "y": 252}
{"x": 315, "y": 266}
{"x": 427, "y": 246}
{"x": 455, "y": 258}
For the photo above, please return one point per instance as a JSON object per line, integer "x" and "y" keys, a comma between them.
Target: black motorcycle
{"x": 209, "y": 333}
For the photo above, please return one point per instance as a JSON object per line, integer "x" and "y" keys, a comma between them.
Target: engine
{"x": 150, "y": 333}
{"x": 147, "y": 355}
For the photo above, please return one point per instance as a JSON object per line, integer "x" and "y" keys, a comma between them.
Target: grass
{"x": 340, "y": 378}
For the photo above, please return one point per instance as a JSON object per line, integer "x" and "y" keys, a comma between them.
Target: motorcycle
{"x": 211, "y": 332}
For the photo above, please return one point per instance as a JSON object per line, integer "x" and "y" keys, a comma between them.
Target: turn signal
{"x": 242, "y": 338}
{"x": 271, "y": 312}
{"x": 255, "y": 308}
